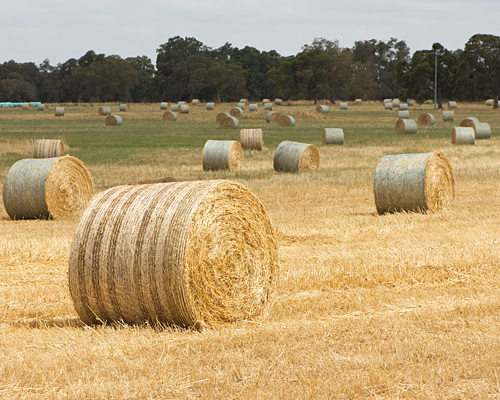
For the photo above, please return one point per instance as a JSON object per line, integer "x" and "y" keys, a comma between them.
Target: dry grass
{"x": 403, "y": 305}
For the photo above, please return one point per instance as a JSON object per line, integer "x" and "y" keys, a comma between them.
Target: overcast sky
{"x": 62, "y": 29}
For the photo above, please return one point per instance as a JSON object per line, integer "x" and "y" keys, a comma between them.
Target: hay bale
{"x": 447, "y": 116}
{"x": 104, "y": 111}
{"x": 169, "y": 116}
{"x": 343, "y": 106}
{"x": 251, "y": 139}
{"x": 296, "y": 157}
{"x": 358, "y": 101}
{"x": 26, "y": 106}
{"x": 272, "y": 116}
{"x": 406, "y": 126}
{"x": 210, "y": 106}
{"x": 322, "y": 109}
{"x": 410, "y": 102}
{"x": 489, "y": 102}
{"x": 42, "y": 107}
{"x": 395, "y": 103}
{"x": 181, "y": 102}
{"x": 47, "y": 188}
{"x": 221, "y": 116}
{"x": 59, "y": 111}
{"x": 385, "y": 101}
{"x": 113, "y": 120}
{"x": 462, "y": 135}
{"x": 268, "y": 106}
{"x": 426, "y": 119}
{"x": 189, "y": 254}
{"x": 428, "y": 102}
{"x": 124, "y": 107}
{"x": 241, "y": 105}
{"x": 333, "y": 136}
{"x": 469, "y": 122}
{"x": 183, "y": 109}
{"x": 452, "y": 105}
{"x": 222, "y": 154}
{"x": 236, "y": 112}
{"x": 388, "y": 106}
{"x": 195, "y": 102}
{"x": 404, "y": 114}
{"x": 163, "y": 106}
{"x": 285, "y": 120}
{"x": 278, "y": 102}
{"x": 229, "y": 122}
{"x": 482, "y": 130}
{"x": 252, "y": 107}
{"x": 265, "y": 101}
{"x": 174, "y": 107}
{"x": 413, "y": 182}
{"x": 244, "y": 101}
{"x": 48, "y": 148}
{"x": 403, "y": 106}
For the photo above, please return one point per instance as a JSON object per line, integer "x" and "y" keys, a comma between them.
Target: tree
{"x": 16, "y": 89}
{"x": 224, "y": 79}
{"x": 145, "y": 69}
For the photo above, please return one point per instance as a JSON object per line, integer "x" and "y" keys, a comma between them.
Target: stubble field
{"x": 403, "y": 305}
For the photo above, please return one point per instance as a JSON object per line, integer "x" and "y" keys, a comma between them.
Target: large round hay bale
{"x": 48, "y": 148}
{"x": 163, "y": 106}
{"x": 469, "y": 122}
{"x": 333, "y": 136}
{"x": 413, "y": 182}
{"x": 296, "y": 157}
{"x": 221, "y": 116}
{"x": 169, "y": 116}
{"x": 388, "y": 106}
{"x": 236, "y": 112}
{"x": 124, "y": 107}
{"x": 272, "y": 116}
{"x": 404, "y": 114}
{"x": 322, "y": 109}
{"x": 195, "y": 102}
{"x": 265, "y": 101}
{"x": 104, "y": 111}
{"x": 210, "y": 106}
{"x": 385, "y": 101}
{"x": 278, "y": 102}
{"x": 174, "y": 107}
{"x": 403, "y": 106}
{"x": 395, "y": 103}
{"x": 252, "y": 107}
{"x": 42, "y": 107}
{"x": 426, "y": 119}
{"x": 183, "y": 109}
{"x": 113, "y": 120}
{"x": 410, "y": 102}
{"x": 489, "y": 102}
{"x": 251, "y": 139}
{"x": 285, "y": 120}
{"x": 482, "y": 130}
{"x": 447, "y": 116}
{"x": 343, "y": 106}
{"x": 229, "y": 122}
{"x": 462, "y": 135}
{"x": 241, "y": 105}
{"x": 26, "y": 106}
{"x": 189, "y": 254}
{"x": 452, "y": 105}
{"x": 222, "y": 154}
{"x": 406, "y": 126}
{"x": 268, "y": 106}
{"x": 47, "y": 187}
{"x": 59, "y": 111}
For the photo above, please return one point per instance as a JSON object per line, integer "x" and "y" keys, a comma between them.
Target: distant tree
{"x": 145, "y": 75}
{"x": 223, "y": 79}
{"x": 16, "y": 89}
{"x": 285, "y": 78}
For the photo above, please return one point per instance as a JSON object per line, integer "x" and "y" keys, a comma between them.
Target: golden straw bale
{"x": 426, "y": 119}
{"x": 183, "y": 109}
{"x": 462, "y": 135}
{"x": 221, "y": 116}
{"x": 236, "y": 112}
{"x": 469, "y": 122}
{"x": 322, "y": 109}
{"x": 222, "y": 154}
{"x": 333, "y": 136}
{"x": 272, "y": 116}
{"x": 251, "y": 139}
{"x": 42, "y": 107}
{"x": 174, "y": 107}
{"x": 252, "y": 107}
{"x": 104, "y": 111}
{"x": 265, "y": 101}
{"x": 296, "y": 157}
{"x": 169, "y": 116}
{"x": 278, "y": 102}
{"x": 245, "y": 101}
{"x": 229, "y": 122}
{"x": 26, "y": 106}
{"x": 285, "y": 120}
{"x": 406, "y": 126}
{"x": 489, "y": 102}
{"x": 113, "y": 120}
{"x": 482, "y": 130}
{"x": 195, "y": 102}
{"x": 48, "y": 148}
{"x": 403, "y": 106}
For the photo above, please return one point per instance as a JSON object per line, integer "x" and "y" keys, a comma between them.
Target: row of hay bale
{"x": 24, "y": 105}
{"x": 322, "y": 109}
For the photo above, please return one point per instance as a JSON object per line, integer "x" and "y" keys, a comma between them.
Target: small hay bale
{"x": 251, "y": 139}
{"x": 252, "y": 107}
{"x": 358, "y": 101}
{"x": 410, "y": 102}
{"x": 469, "y": 122}
{"x": 406, "y": 126}
{"x": 265, "y": 101}
{"x": 462, "y": 135}
{"x": 333, "y": 136}
{"x": 59, "y": 111}
{"x": 278, "y": 102}
{"x": 104, "y": 111}
{"x": 174, "y": 107}
{"x": 210, "y": 106}
{"x": 42, "y": 107}
{"x": 272, "y": 116}
{"x": 48, "y": 148}
{"x": 285, "y": 120}
{"x": 296, "y": 157}
{"x": 387, "y": 101}
{"x": 403, "y": 106}
{"x": 428, "y": 102}
{"x": 244, "y": 101}
{"x": 190, "y": 254}
{"x": 452, "y": 105}
{"x": 26, "y": 106}
{"x": 236, "y": 112}
{"x": 113, "y": 120}
{"x": 222, "y": 155}
{"x": 221, "y": 116}
{"x": 489, "y": 102}
{"x": 426, "y": 119}
{"x": 482, "y": 130}
{"x": 395, "y": 103}
{"x": 229, "y": 122}
{"x": 404, "y": 114}
{"x": 241, "y": 105}
{"x": 169, "y": 116}
{"x": 322, "y": 109}
{"x": 388, "y": 106}
{"x": 195, "y": 102}
{"x": 124, "y": 107}
{"x": 447, "y": 116}
{"x": 181, "y": 102}
{"x": 413, "y": 182}
{"x": 47, "y": 188}
{"x": 183, "y": 109}
{"x": 268, "y": 106}
{"x": 163, "y": 106}
{"x": 343, "y": 106}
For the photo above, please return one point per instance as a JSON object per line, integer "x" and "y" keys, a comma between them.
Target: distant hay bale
{"x": 482, "y": 130}
{"x": 221, "y": 116}
{"x": 236, "y": 112}
{"x": 252, "y": 107}
{"x": 428, "y": 102}
{"x": 222, "y": 154}
{"x": 388, "y": 106}
{"x": 265, "y": 101}
{"x": 163, "y": 106}
{"x": 174, "y": 107}
{"x": 42, "y": 107}
{"x": 229, "y": 122}
{"x": 403, "y": 106}
{"x": 296, "y": 157}
{"x": 210, "y": 106}
{"x": 333, "y": 136}
{"x": 113, "y": 120}
{"x": 410, "y": 102}
{"x": 469, "y": 122}
{"x": 462, "y": 135}
{"x": 251, "y": 139}
{"x": 343, "y": 106}
{"x": 387, "y": 101}
{"x": 47, "y": 188}
{"x": 268, "y": 106}
{"x": 452, "y": 105}
{"x": 406, "y": 126}
{"x": 285, "y": 120}
{"x": 195, "y": 102}
{"x": 59, "y": 111}
{"x": 413, "y": 182}
{"x": 104, "y": 111}
{"x": 404, "y": 114}
{"x": 322, "y": 109}
{"x": 124, "y": 107}
{"x": 205, "y": 254}
{"x": 395, "y": 103}
{"x": 169, "y": 116}
{"x": 183, "y": 109}
{"x": 26, "y": 106}
{"x": 278, "y": 102}
{"x": 357, "y": 101}
{"x": 426, "y": 119}
{"x": 447, "y": 116}
{"x": 48, "y": 148}
{"x": 272, "y": 116}
{"x": 489, "y": 102}
{"x": 181, "y": 102}
{"x": 245, "y": 101}
{"x": 241, "y": 105}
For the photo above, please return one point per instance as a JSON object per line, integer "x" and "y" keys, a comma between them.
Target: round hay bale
{"x": 47, "y": 188}
{"x": 190, "y": 254}
{"x": 447, "y": 116}
{"x": 244, "y": 101}
{"x": 403, "y": 106}
{"x": 388, "y": 106}
{"x": 395, "y": 103}
{"x": 452, "y": 105}
{"x": 229, "y": 122}
{"x": 174, "y": 107}
{"x": 181, "y": 102}
{"x": 42, "y": 107}
{"x": 404, "y": 114}
{"x": 387, "y": 101}
{"x": 221, "y": 116}
{"x": 428, "y": 102}
{"x": 236, "y": 112}
{"x": 410, "y": 102}
{"x": 489, "y": 102}
{"x": 241, "y": 105}
{"x": 272, "y": 116}
{"x": 113, "y": 120}
{"x": 251, "y": 139}
{"x": 265, "y": 101}
{"x": 278, "y": 102}
{"x": 285, "y": 120}
{"x": 252, "y": 107}
{"x": 426, "y": 119}
{"x": 296, "y": 157}
{"x": 333, "y": 136}
{"x": 183, "y": 108}
{"x": 222, "y": 154}
{"x": 26, "y": 106}
{"x": 343, "y": 106}
{"x": 169, "y": 116}
{"x": 462, "y": 135}
{"x": 210, "y": 106}
{"x": 406, "y": 126}
{"x": 59, "y": 111}
{"x": 268, "y": 106}
{"x": 482, "y": 130}
{"x": 358, "y": 101}
{"x": 48, "y": 148}
{"x": 195, "y": 102}
{"x": 124, "y": 107}
{"x": 469, "y": 122}
{"x": 413, "y": 182}
{"x": 104, "y": 111}
{"x": 322, "y": 109}
{"x": 163, "y": 106}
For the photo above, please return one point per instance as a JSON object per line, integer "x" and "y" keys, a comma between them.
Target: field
{"x": 404, "y": 305}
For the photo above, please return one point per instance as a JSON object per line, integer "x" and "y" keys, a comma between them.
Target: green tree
{"x": 16, "y": 89}
{"x": 145, "y": 69}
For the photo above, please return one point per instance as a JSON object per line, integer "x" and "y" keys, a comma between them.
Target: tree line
{"x": 186, "y": 69}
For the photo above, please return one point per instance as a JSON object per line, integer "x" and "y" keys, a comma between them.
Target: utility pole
{"x": 435, "y": 79}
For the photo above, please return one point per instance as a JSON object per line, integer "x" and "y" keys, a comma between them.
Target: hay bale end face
{"x": 296, "y": 157}
{"x": 251, "y": 139}
{"x": 221, "y": 116}
{"x": 222, "y": 155}
{"x": 124, "y": 107}
{"x": 47, "y": 188}
{"x": 210, "y": 106}
{"x": 229, "y": 122}
{"x": 48, "y": 148}
{"x": 236, "y": 112}
{"x": 413, "y": 182}
{"x": 426, "y": 119}
{"x": 333, "y": 136}
{"x": 322, "y": 109}
{"x": 205, "y": 254}
{"x": 272, "y": 116}
{"x": 469, "y": 122}
{"x": 406, "y": 126}
{"x": 59, "y": 111}
{"x": 447, "y": 116}
{"x": 462, "y": 135}
{"x": 113, "y": 120}
{"x": 285, "y": 120}
{"x": 343, "y": 106}
{"x": 169, "y": 116}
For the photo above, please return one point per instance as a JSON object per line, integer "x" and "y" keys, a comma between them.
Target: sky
{"x": 58, "y": 30}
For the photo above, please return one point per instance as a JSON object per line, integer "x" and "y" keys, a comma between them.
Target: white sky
{"x": 62, "y": 29}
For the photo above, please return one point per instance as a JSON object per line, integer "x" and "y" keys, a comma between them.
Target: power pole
{"x": 435, "y": 79}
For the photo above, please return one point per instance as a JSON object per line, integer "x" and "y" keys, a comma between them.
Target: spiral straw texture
{"x": 48, "y": 148}
{"x": 322, "y": 109}
{"x": 272, "y": 116}
{"x": 426, "y": 119}
{"x": 285, "y": 120}
{"x": 169, "y": 116}
{"x": 236, "y": 112}
{"x": 296, "y": 157}
{"x": 229, "y": 122}
{"x": 113, "y": 120}
{"x": 104, "y": 111}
